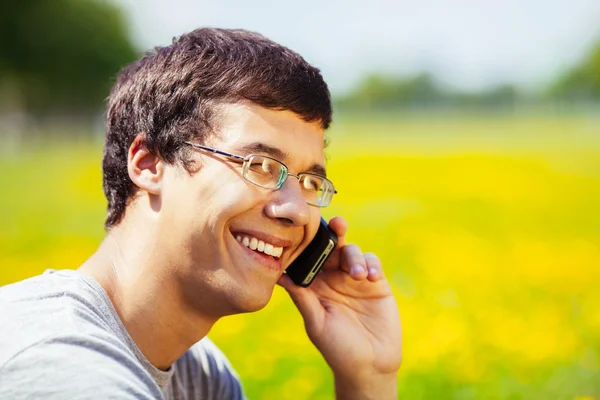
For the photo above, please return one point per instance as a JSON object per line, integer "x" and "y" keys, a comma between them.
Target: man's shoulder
{"x": 75, "y": 366}
{"x": 49, "y": 286}
{"x": 57, "y": 338}
{"x": 50, "y": 305}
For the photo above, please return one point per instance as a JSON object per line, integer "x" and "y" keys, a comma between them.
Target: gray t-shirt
{"x": 61, "y": 338}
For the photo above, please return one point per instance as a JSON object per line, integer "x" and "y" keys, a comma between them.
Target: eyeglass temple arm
{"x": 223, "y": 153}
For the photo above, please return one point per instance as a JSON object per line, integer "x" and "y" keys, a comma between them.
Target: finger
{"x": 353, "y": 261}
{"x": 374, "y": 268}
{"x": 340, "y": 227}
{"x": 305, "y": 300}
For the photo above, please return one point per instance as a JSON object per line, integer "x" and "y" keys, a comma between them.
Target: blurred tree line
{"x": 58, "y": 58}
{"x": 378, "y": 92}
{"x": 389, "y": 92}
{"x": 582, "y": 82}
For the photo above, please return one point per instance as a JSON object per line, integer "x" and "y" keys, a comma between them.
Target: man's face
{"x": 205, "y": 215}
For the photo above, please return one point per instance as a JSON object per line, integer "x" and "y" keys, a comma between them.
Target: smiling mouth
{"x": 260, "y": 246}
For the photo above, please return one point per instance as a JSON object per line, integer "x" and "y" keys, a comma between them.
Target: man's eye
{"x": 263, "y": 167}
{"x": 267, "y": 166}
{"x": 312, "y": 183}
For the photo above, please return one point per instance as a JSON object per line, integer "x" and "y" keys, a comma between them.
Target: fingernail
{"x": 357, "y": 270}
{"x": 372, "y": 272}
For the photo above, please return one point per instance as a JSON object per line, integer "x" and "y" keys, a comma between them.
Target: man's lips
{"x": 269, "y": 261}
{"x": 265, "y": 237}
{"x": 258, "y": 245}
{"x": 264, "y": 248}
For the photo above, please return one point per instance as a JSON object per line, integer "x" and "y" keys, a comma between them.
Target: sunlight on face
{"x": 221, "y": 218}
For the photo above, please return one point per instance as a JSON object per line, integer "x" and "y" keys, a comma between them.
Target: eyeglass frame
{"x": 247, "y": 158}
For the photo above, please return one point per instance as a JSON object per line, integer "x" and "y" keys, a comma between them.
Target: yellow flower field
{"x": 488, "y": 228}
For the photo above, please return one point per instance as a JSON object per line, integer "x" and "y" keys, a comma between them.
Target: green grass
{"x": 488, "y": 229}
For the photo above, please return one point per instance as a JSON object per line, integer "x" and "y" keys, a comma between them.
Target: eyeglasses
{"x": 269, "y": 173}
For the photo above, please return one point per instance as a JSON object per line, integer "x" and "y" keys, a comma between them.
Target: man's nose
{"x": 289, "y": 204}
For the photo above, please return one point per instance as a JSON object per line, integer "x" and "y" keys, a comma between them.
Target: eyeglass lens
{"x": 264, "y": 171}
{"x": 270, "y": 173}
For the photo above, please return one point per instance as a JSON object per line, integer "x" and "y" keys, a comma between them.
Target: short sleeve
{"x": 204, "y": 372}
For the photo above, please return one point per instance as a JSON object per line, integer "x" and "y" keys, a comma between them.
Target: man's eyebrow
{"x": 261, "y": 148}
{"x": 317, "y": 169}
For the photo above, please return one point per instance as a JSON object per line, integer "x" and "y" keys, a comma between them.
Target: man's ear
{"x": 145, "y": 169}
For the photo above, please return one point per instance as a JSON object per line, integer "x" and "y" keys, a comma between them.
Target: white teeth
{"x": 268, "y": 249}
{"x": 258, "y": 245}
{"x": 253, "y": 243}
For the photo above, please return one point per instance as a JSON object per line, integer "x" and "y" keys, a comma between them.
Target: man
{"x": 214, "y": 174}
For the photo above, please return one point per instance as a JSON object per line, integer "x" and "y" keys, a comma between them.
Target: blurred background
{"x": 465, "y": 149}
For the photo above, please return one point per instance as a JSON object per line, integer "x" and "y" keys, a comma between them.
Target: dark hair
{"x": 172, "y": 95}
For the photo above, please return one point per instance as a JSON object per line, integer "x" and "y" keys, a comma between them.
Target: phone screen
{"x": 308, "y": 264}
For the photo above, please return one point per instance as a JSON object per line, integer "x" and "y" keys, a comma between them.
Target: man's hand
{"x": 351, "y": 316}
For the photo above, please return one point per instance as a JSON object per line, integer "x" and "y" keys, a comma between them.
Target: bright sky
{"x": 465, "y": 43}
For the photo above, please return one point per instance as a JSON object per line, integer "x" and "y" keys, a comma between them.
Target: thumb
{"x": 306, "y": 302}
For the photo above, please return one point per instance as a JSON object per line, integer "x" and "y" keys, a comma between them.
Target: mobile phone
{"x": 308, "y": 264}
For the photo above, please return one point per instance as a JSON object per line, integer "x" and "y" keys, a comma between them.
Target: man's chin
{"x": 253, "y": 302}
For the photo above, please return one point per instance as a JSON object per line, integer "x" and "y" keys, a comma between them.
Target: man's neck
{"x": 160, "y": 323}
